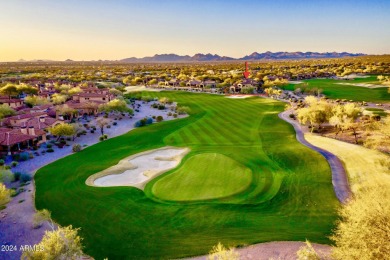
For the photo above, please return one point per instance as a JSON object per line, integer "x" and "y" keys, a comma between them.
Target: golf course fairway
{"x": 274, "y": 188}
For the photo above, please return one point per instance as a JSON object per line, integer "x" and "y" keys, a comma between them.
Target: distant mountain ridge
{"x": 254, "y": 56}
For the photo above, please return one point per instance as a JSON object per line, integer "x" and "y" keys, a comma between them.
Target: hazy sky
{"x": 114, "y": 29}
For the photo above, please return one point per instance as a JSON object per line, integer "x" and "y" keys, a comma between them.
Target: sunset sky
{"x": 94, "y": 29}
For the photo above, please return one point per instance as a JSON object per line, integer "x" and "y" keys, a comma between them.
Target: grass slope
{"x": 333, "y": 90}
{"x": 362, "y": 165}
{"x": 290, "y": 196}
{"x": 203, "y": 177}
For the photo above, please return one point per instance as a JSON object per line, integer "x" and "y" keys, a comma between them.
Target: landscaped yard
{"x": 335, "y": 90}
{"x": 289, "y": 195}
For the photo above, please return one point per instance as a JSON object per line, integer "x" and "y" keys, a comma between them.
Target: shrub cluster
{"x": 143, "y": 122}
{"x": 76, "y": 148}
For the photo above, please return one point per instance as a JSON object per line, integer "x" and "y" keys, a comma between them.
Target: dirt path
{"x": 339, "y": 176}
{"x": 286, "y": 250}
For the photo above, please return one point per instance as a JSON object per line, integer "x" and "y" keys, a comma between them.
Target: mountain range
{"x": 254, "y": 56}
{"x": 199, "y": 57}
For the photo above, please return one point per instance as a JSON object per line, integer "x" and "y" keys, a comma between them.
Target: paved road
{"x": 339, "y": 176}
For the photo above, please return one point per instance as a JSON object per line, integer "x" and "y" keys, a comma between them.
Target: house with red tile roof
{"x": 16, "y": 140}
{"x": 88, "y": 97}
{"x": 14, "y": 103}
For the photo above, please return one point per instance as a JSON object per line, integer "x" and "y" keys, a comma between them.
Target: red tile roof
{"x": 13, "y": 136}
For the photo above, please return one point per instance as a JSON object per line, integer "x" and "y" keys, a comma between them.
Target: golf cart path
{"x": 339, "y": 176}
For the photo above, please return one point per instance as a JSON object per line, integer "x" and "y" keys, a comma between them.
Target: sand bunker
{"x": 295, "y": 82}
{"x": 364, "y": 85}
{"x": 137, "y": 170}
{"x": 140, "y": 88}
{"x": 238, "y": 96}
{"x": 354, "y": 76}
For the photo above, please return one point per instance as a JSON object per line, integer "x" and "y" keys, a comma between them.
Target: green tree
{"x": 116, "y": 92}
{"x": 316, "y": 112}
{"x": 62, "y": 130}
{"x": 102, "y": 122}
{"x": 344, "y": 117}
{"x": 363, "y": 231}
{"x": 9, "y": 90}
{"x": 58, "y": 98}
{"x": 5, "y": 110}
{"x": 26, "y": 89}
{"x": 35, "y": 100}
{"x": 73, "y": 91}
{"x": 115, "y": 105}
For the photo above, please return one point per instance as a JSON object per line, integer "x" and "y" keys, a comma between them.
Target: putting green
{"x": 203, "y": 177}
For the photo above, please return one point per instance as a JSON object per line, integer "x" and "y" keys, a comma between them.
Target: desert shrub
{"x": 143, "y": 122}
{"x": 14, "y": 163}
{"x": 16, "y": 157}
{"x": 5, "y": 195}
{"x": 6, "y": 176}
{"x": 108, "y": 126}
{"x": 40, "y": 217}
{"x": 159, "y": 119}
{"x": 115, "y": 123}
{"x": 17, "y": 176}
{"x": 25, "y": 177}
{"x": 7, "y": 167}
{"x": 62, "y": 243}
{"x": 101, "y": 138}
{"x": 181, "y": 110}
{"x": 138, "y": 124}
{"x": 147, "y": 98}
{"x": 105, "y": 136}
{"x": 169, "y": 114}
{"x": 50, "y": 150}
{"x": 76, "y": 148}
{"x": 219, "y": 252}
{"x": 291, "y": 115}
{"x": 161, "y": 107}
{"x": 92, "y": 131}
{"x": 149, "y": 120}
{"x": 49, "y": 146}
{"x": 307, "y": 252}
{"x": 175, "y": 115}
{"x": 31, "y": 155}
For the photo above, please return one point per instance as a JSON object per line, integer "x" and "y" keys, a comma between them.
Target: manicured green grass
{"x": 290, "y": 196}
{"x": 377, "y": 111}
{"x": 333, "y": 90}
{"x": 203, "y": 177}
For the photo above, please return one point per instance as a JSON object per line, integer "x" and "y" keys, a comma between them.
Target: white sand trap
{"x": 239, "y": 96}
{"x": 364, "y": 85}
{"x": 140, "y": 88}
{"x": 137, "y": 170}
{"x": 295, "y": 82}
{"x": 354, "y": 76}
